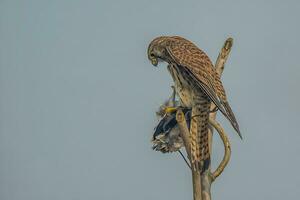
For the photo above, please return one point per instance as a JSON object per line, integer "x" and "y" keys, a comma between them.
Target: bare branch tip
{"x": 228, "y": 44}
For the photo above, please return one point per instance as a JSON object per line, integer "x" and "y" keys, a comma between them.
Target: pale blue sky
{"x": 78, "y": 98}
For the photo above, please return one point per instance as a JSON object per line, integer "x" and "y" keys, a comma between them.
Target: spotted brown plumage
{"x": 194, "y": 98}
{"x": 197, "y": 84}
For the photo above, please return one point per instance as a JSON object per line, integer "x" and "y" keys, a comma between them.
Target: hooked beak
{"x": 152, "y": 57}
{"x": 154, "y": 61}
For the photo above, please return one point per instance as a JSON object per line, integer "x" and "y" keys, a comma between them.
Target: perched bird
{"x": 197, "y": 84}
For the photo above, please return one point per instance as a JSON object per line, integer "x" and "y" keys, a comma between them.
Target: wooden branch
{"x": 227, "y": 149}
{"x": 223, "y": 55}
{"x": 184, "y": 133}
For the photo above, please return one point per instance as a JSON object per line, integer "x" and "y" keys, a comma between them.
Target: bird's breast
{"x": 183, "y": 85}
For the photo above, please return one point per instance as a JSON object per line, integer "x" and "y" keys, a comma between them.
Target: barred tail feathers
{"x": 195, "y": 159}
{"x": 199, "y": 129}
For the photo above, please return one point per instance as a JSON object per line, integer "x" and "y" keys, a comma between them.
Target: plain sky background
{"x": 78, "y": 98}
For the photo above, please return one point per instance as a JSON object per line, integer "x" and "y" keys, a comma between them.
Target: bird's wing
{"x": 199, "y": 67}
{"x": 223, "y": 106}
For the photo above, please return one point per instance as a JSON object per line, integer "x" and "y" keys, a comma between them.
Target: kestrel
{"x": 197, "y": 84}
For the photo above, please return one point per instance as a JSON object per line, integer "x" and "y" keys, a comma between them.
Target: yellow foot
{"x": 169, "y": 110}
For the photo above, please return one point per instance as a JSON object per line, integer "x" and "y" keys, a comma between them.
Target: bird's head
{"x": 157, "y": 50}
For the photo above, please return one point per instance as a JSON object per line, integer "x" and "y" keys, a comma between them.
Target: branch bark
{"x": 184, "y": 133}
{"x": 227, "y": 149}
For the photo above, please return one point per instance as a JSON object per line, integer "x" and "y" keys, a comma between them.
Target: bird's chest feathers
{"x": 183, "y": 86}
{"x": 185, "y": 96}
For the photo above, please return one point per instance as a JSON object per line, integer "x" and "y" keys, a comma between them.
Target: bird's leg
{"x": 169, "y": 110}
{"x": 173, "y": 96}
{"x": 169, "y": 106}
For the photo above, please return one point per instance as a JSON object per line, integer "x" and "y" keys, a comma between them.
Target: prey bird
{"x": 197, "y": 84}
{"x": 166, "y": 137}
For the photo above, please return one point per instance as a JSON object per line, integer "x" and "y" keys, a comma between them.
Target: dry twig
{"x": 227, "y": 149}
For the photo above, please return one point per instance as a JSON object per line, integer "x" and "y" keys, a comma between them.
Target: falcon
{"x": 197, "y": 84}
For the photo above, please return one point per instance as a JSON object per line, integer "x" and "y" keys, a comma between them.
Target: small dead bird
{"x": 166, "y": 137}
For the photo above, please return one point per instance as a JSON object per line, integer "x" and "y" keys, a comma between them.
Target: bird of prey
{"x": 197, "y": 84}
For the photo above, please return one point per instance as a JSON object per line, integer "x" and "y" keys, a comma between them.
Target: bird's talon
{"x": 169, "y": 110}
